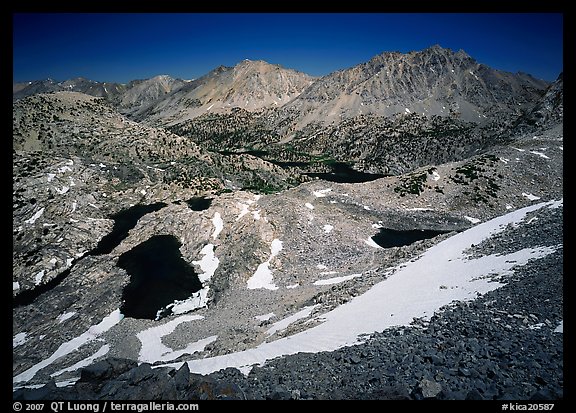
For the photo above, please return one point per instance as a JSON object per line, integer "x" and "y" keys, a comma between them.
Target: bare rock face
{"x": 548, "y": 111}
{"x": 250, "y": 85}
{"x": 435, "y": 81}
{"x": 140, "y": 93}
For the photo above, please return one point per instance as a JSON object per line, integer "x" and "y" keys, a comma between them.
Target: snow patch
{"x": 18, "y": 339}
{"x": 38, "y": 277}
{"x": 64, "y": 169}
{"x": 285, "y": 322}
{"x": 15, "y": 285}
{"x": 336, "y": 280}
{"x": 508, "y": 206}
{"x": 264, "y": 317}
{"x": 65, "y": 383}
{"x": 321, "y": 267}
{"x": 63, "y": 317}
{"x": 68, "y": 347}
{"x": 435, "y": 175}
{"x": 292, "y": 286}
{"x": 540, "y": 154}
{"x": 243, "y": 211}
{"x": 51, "y": 177}
{"x": 263, "y": 277}
{"x": 418, "y": 209}
{"x": 371, "y": 242}
{"x": 218, "y": 224}
{"x": 153, "y": 349}
{"x": 209, "y": 264}
{"x": 367, "y": 208}
{"x": 102, "y": 351}
{"x": 327, "y": 228}
{"x": 209, "y": 107}
{"x": 560, "y": 328}
{"x": 530, "y": 196}
{"x": 63, "y": 190}
{"x": 472, "y": 220}
{"x": 321, "y": 193}
{"x": 518, "y": 149}
{"x": 34, "y": 217}
{"x": 309, "y": 205}
{"x": 407, "y": 110}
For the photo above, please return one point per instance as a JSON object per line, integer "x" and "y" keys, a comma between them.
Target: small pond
{"x": 388, "y": 238}
{"x": 158, "y": 277}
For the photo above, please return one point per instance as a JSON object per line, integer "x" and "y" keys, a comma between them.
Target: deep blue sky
{"x": 123, "y": 47}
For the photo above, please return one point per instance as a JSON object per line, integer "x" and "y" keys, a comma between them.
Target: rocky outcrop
{"x": 548, "y": 111}
{"x": 121, "y": 379}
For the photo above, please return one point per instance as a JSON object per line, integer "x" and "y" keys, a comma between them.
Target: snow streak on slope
{"x": 263, "y": 277}
{"x": 66, "y": 348}
{"x": 153, "y": 349}
{"x": 414, "y": 290}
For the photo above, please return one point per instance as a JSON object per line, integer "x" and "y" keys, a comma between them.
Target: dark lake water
{"x": 340, "y": 171}
{"x": 158, "y": 277}
{"x": 388, "y": 238}
{"x": 344, "y": 173}
{"x": 124, "y": 221}
{"x": 198, "y": 203}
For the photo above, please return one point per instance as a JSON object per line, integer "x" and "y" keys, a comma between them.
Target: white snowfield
{"x": 413, "y": 291}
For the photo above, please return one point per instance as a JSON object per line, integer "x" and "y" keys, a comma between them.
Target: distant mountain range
{"x": 434, "y": 81}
